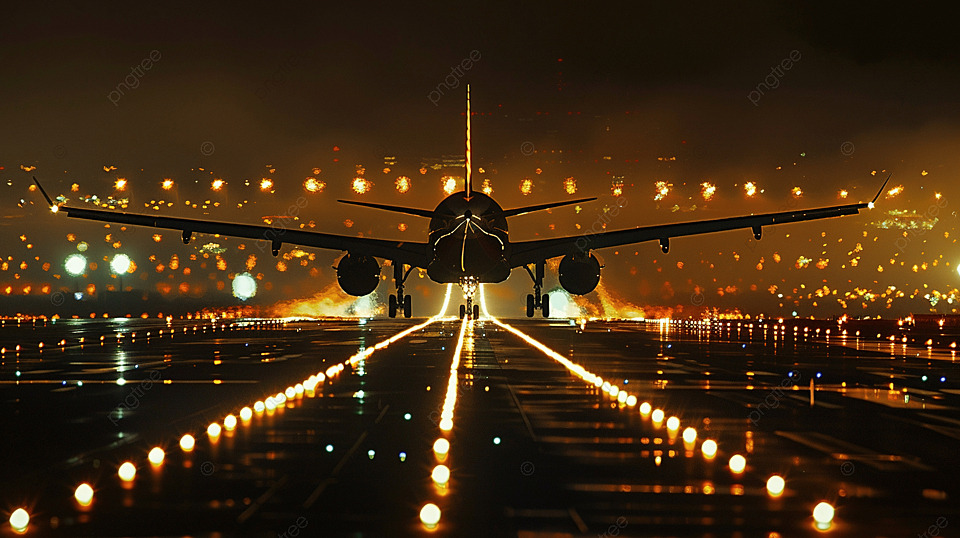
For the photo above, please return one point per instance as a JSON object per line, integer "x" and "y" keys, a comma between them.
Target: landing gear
{"x": 469, "y": 286}
{"x": 536, "y": 301}
{"x": 400, "y": 302}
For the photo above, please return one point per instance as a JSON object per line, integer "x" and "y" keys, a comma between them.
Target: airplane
{"x": 467, "y": 243}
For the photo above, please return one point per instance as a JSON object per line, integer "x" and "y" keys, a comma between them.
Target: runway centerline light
{"x": 155, "y": 456}
{"x": 775, "y": 485}
{"x": 230, "y": 422}
{"x": 823, "y": 515}
{"x": 440, "y": 474}
{"x": 83, "y": 494}
{"x": 657, "y": 415}
{"x": 246, "y": 414}
{"x": 689, "y": 435}
{"x": 441, "y": 446}
{"x": 430, "y": 515}
{"x": 187, "y": 442}
{"x": 127, "y": 471}
{"x": 645, "y": 408}
{"x": 19, "y": 519}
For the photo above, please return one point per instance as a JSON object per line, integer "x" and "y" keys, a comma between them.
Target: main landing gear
{"x": 536, "y": 301}
{"x": 471, "y": 309}
{"x": 400, "y": 302}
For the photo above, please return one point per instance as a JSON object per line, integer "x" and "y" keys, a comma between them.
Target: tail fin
{"x": 467, "y": 184}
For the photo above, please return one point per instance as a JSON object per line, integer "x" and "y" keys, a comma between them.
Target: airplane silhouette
{"x": 467, "y": 243}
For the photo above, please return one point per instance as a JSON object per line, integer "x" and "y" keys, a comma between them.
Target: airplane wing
{"x": 527, "y": 252}
{"x": 414, "y": 254}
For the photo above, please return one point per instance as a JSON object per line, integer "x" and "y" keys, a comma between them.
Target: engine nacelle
{"x": 579, "y": 275}
{"x": 358, "y": 275}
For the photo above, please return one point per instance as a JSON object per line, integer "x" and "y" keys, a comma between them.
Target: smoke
{"x": 331, "y": 301}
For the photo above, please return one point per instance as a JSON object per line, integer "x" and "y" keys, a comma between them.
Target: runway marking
{"x": 843, "y": 450}
{"x": 523, "y": 415}
{"x": 263, "y": 499}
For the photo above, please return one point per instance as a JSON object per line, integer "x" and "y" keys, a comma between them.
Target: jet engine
{"x": 358, "y": 275}
{"x": 579, "y": 275}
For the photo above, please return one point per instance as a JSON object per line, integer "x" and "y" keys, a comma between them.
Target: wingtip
{"x": 43, "y": 192}
{"x": 877, "y": 197}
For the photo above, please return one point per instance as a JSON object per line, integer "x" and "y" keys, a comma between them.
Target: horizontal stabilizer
{"x": 531, "y": 208}
{"x": 408, "y": 210}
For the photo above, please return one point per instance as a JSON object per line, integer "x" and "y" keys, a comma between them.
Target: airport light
{"x": 246, "y": 414}
{"x": 127, "y": 471}
{"x": 19, "y": 519}
{"x": 440, "y": 475}
{"x": 187, "y": 442}
{"x": 259, "y": 407}
{"x": 673, "y": 424}
{"x": 823, "y": 515}
{"x": 83, "y": 494}
{"x": 75, "y": 264}
{"x": 230, "y": 422}
{"x": 244, "y": 286}
{"x": 645, "y": 408}
{"x": 155, "y": 456}
{"x": 213, "y": 431}
{"x": 120, "y": 264}
{"x": 657, "y": 417}
{"x": 441, "y": 446}
{"x": 775, "y": 485}
{"x": 737, "y": 463}
{"x": 430, "y": 515}
{"x": 709, "y": 449}
{"x": 689, "y": 435}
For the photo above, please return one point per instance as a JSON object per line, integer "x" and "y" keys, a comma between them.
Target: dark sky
{"x": 238, "y": 87}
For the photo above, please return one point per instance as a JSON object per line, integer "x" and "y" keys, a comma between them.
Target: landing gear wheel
{"x": 392, "y": 308}
{"x": 463, "y": 311}
{"x": 530, "y": 306}
{"x": 545, "y": 306}
{"x": 476, "y": 311}
{"x": 407, "y": 308}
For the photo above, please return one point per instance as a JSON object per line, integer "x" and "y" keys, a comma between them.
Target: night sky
{"x": 649, "y": 93}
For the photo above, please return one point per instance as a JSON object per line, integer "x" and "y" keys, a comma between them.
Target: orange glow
{"x": 707, "y": 190}
{"x": 570, "y": 185}
{"x": 663, "y": 189}
{"x": 167, "y": 184}
{"x": 120, "y": 184}
{"x": 750, "y": 188}
{"x": 312, "y": 184}
{"x": 526, "y": 186}
{"x": 217, "y": 184}
{"x": 361, "y": 185}
{"x": 797, "y": 192}
{"x": 403, "y": 184}
{"x": 487, "y": 188}
{"x": 266, "y": 184}
{"x": 449, "y": 184}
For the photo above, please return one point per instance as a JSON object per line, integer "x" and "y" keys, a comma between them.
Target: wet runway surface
{"x": 539, "y": 444}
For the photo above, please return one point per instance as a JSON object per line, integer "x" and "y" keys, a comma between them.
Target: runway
{"x": 543, "y": 428}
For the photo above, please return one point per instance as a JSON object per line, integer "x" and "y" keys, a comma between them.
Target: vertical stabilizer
{"x": 467, "y": 185}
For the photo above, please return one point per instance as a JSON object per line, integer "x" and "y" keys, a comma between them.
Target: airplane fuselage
{"x": 468, "y": 238}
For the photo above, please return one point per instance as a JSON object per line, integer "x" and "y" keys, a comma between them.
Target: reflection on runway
{"x": 773, "y": 428}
